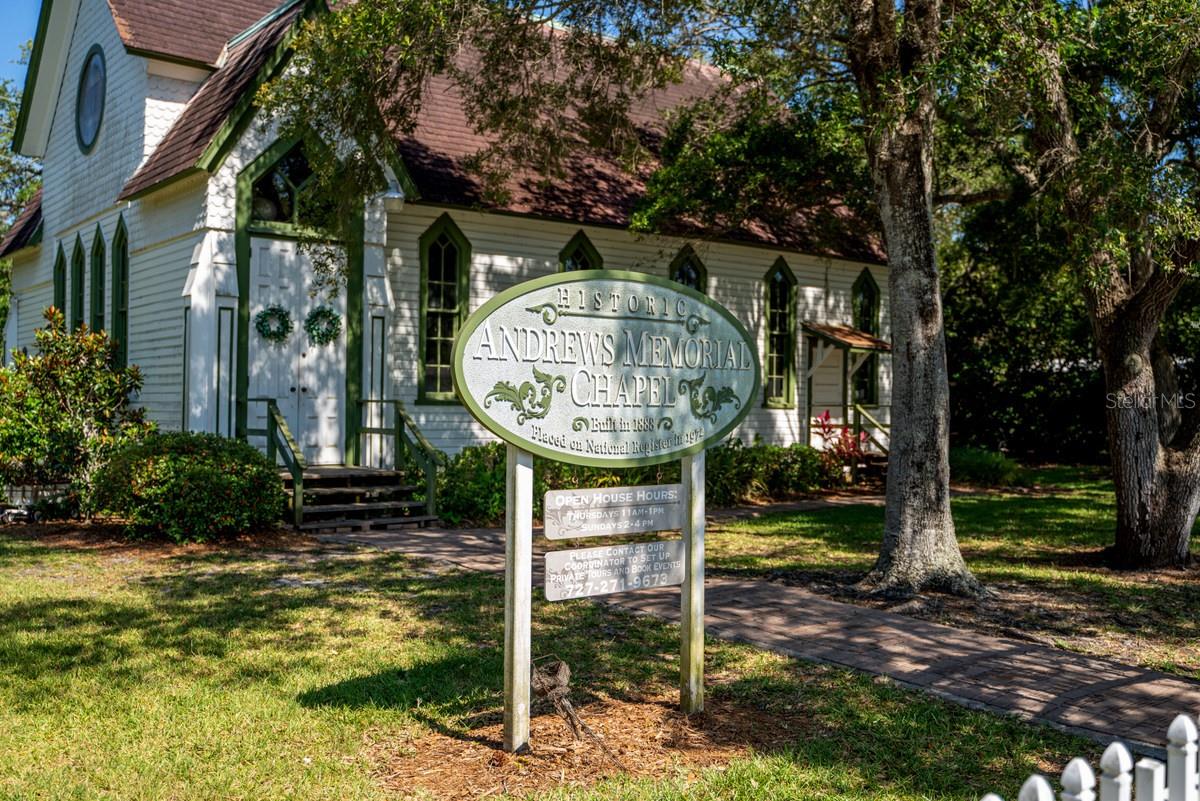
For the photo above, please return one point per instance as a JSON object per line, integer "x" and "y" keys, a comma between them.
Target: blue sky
{"x": 20, "y": 23}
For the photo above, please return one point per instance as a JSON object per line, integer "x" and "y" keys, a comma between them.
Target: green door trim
{"x": 354, "y": 301}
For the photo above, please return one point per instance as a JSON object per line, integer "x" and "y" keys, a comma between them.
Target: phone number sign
{"x": 586, "y": 572}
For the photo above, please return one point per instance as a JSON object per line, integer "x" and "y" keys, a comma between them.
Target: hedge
{"x": 191, "y": 487}
{"x": 472, "y": 487}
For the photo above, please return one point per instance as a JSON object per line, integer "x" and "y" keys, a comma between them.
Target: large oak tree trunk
{"x": 893, "y": 53}
{"x": 1157, "y": 479}
{"x": 920, "y": 549}
{"x": 1154, "y": 440}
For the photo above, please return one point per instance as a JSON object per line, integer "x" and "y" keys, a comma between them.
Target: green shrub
{"x": 734, "y": 472}
{"x": 58, "y": 506}
{"x": 66, "y": 409}
{"x": 471, "y": 489}
{"x": 797, "y": 469}
{"x": 190, "y": 487}
{"x": 984, "y": 468}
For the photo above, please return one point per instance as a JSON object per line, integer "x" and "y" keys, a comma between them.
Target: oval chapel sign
{"x": 606, "y": 368}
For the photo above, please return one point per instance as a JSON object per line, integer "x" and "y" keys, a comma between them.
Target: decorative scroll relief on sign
{"x": 606, "y": 368}
{"x": 613, "y": 510}
{"x": 584, "y": 572}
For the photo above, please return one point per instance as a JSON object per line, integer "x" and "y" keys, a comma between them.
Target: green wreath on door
{"x": 274, "y": 323}
{"x": 323, "y": 325}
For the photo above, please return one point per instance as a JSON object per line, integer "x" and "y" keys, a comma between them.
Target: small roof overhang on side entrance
{"x": 847, "y": 338}
{"x": 26, "y": 230}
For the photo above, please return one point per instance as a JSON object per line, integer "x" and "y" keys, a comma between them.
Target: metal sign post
{"x": 691, "y": 662}
{"x": 518, "y": 591}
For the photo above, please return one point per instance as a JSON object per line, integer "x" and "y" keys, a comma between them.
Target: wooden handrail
{"x": 407, "y": 438}
{"x": 863, "y": 411}
{"x": 859, "y": 413}
{"x": 281, "y": 444}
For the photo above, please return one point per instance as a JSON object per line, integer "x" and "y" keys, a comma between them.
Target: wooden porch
{"x": 857, "y": 349}
{"x": 328, "y": 498}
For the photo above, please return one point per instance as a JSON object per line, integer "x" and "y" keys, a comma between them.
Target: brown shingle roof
{"x": 600, "y": 191}
{"x": 190, "y": 30}
{"x": 211, "y": 106}
{"x": 847, "y": 337}
{"x": 24, "y": 228}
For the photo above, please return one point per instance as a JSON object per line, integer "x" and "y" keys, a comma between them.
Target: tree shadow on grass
{"x": 250, "y": 615}
{"x": 195, "y": 613}
{"x": 840, "y": 728}
{"x": 611, "y": 654}
{"x": 453, "y": 683}
{"x": 899, "y": 738}
{"x": 200, "y": 617}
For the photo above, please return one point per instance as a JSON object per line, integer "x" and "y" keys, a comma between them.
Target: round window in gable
{"x": 89, "y": 105}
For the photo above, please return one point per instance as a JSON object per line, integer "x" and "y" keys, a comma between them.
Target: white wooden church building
{"x": 168, "y": 218}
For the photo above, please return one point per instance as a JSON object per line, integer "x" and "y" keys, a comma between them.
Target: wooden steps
{"x": 370, "y": 524}
{"x": 355, "y": 491}
{"x": 873, "y": 467}
{"x": 352, "y": 509}
{"x": 357, "y": 499}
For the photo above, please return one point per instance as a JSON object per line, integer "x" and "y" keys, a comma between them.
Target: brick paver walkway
{"x": 1098, "y": 698}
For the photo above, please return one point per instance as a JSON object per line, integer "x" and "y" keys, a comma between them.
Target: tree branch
{"x": 973, "y": 198}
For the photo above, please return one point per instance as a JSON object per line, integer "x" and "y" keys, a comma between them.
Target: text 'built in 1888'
{"x": 603, "y": 367}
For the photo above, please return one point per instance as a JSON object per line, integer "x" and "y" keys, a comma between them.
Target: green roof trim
{"x": 404, "y": 178}
{"x": 243, "y": 111}
{"x": 154, "y": 55}
{"x": 179, "y": 177}
{"x": 279, "y": 11}
{"x": 31, "y": 74}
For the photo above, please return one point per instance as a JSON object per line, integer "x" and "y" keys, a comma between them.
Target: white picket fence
{"x": 1121, "y": 780}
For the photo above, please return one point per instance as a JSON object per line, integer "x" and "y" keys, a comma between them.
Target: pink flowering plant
{"x": 842, "y": 448}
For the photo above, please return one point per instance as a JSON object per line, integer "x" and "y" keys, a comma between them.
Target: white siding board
{"x": 156, "y": 279}
{"x": 32, "y": 294}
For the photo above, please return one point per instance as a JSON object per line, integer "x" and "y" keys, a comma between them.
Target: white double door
{"x": 307, "y": 380}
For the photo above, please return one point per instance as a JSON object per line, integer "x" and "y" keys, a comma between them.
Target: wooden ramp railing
{"x": 407, "y": 440}
{"x": 282, "y": 445}
{"x": 860, "y": 414}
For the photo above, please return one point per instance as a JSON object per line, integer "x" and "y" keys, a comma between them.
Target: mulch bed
{"x": 650, "y": 738}
{"x": 109, "y": 537}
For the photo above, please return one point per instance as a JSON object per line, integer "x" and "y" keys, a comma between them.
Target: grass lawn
{"x": 1039, "y": 551}
{"x": 154, "y": 673}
